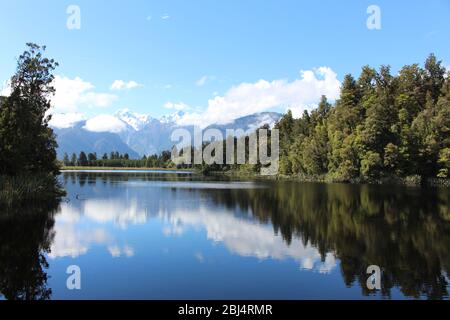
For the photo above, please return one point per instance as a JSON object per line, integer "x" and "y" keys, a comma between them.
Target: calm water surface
{"x": 160, "y": 235}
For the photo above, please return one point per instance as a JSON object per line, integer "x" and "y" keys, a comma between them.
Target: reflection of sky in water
{"x": 173, "y": 240}
{"x": 95, "y": 221}
{"x": 197, "y": 185}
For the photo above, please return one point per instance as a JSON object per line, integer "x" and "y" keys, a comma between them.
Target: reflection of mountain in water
{"x": 404, "y": 231}
{"x": 25, "y": 236}
{"x": 182, "y": 205}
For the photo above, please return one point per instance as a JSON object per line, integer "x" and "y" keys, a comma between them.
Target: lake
{"x": 169, "y": 235}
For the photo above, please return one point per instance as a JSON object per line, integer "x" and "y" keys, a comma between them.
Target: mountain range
{"x": 141, "y": 135}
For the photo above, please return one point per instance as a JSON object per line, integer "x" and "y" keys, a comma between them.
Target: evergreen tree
{"x": 381, "y": 125}
{"x": 92, "y": 157}
{"x": 73, "y": 159}
{"x": 66, "y": 160}
{"x": 27, "y": 143}
{"x": 82, "y": 159}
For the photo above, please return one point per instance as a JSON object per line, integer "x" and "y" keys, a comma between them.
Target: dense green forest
{"x": 117, "y": 160}
{"x": 383, "y": 128}
{"x": 382, "y": 125}
{"x": 28, "y": 165}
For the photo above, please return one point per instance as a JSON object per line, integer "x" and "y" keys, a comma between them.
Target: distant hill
{"x": 77, "y": 139}
{"x": 142, "y": 134}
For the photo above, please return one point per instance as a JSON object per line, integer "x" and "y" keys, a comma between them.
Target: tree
{"x": 27, "y": 143}
{"x": 286, "y": 127}
{"x": 73, "y": 159}
{"x": 82, "y": 159}
{"x": 92, "y": 157}
{"x": 434, "y": 76}
{"x": 66, "y": 160}
{"x": 444, "y": 163}
{"x": 371, "y": 165}
{"x": 381, "y": 125}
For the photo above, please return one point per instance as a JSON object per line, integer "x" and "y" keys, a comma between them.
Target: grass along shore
{"x": 28, "y": 188}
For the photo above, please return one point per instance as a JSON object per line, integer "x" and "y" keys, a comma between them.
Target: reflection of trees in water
{"x": 25, "y": 236}
{"x": 91, "y": 178}
{"x": 406, "y": 231}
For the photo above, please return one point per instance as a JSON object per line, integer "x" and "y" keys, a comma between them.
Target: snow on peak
{"x": 136, "y": 120}
{"x": 172, "y": 118}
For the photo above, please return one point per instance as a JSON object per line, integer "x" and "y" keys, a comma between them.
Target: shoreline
{"x": 68, "y": 169}
{"x": 413, "y": 181}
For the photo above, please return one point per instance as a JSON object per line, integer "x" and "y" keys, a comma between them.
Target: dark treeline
{"x": 381, "y": 126}
{"x": 216, "y": 150}
{"x": 116, "y": 159}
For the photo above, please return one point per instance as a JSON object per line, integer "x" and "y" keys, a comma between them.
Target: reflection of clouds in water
{"x": 248, "y": 238}
{"x": 69, "y": 214}
{"x": 72, "y": 242}
{"x": 116, "y": 251}
{"x": 119, "y": 212}
{"x": 199, "y": 256}
{"x": 73, "y": 239}
{"x": 240, "y": 236}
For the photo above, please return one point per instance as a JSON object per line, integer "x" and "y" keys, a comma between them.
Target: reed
{"x": 19, "y": 189}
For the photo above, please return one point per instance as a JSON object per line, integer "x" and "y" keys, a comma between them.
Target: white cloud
{"x": 165, "y": 16}
{"x": 120, "y": 85}
{"x": 168, "y": 86}
{"x": 176, "y": 106}
{"x": 73, "y": 93}
{"x": 249, "y": 98}
{"x": 202, "y": 81}
{"x": 65, "y": 120}
{"x": 105, "y": 123}
{"x": 5, "y": 90}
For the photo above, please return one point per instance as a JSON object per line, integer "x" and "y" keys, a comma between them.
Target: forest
{"x": 382, "y": 126}
{"x": 117, "y": 160}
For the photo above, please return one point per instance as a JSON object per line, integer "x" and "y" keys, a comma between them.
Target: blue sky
{"x": 167, "y": 47}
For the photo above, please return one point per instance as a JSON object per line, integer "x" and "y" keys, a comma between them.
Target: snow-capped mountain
{"x": 135, "y": 120}
{"x": 172, "y": 118}
{"x": 249, "y": 123}
{"x": 141, "y": 134}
